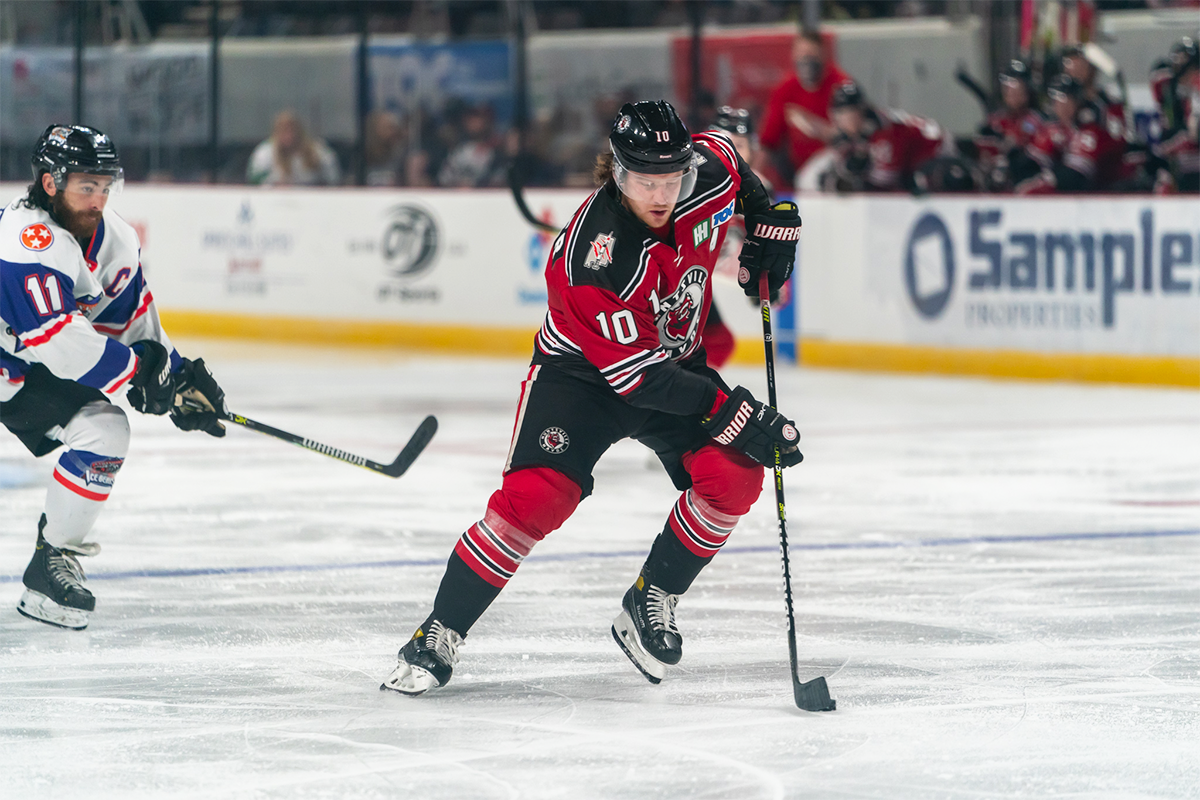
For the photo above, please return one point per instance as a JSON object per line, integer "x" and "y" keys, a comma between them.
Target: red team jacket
{"x": 626, "y": 307}
{"x": 1092, "y": 148}
{"x": 1003, "y": 131}
{"x": 901, "y": 143}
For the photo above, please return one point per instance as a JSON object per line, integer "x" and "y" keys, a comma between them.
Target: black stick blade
{"x": 416, "y": 444}
{"x": 814, "y": 695}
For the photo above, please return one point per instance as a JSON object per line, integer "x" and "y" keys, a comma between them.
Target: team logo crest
{"x": 678, "y": 316}
{"x": 623, "y": 123}
{"x": 554, "y": 440}
{"x": 59, "y": 135}
{"x": 37, "y": 237}
{"x": 601, "y": 251}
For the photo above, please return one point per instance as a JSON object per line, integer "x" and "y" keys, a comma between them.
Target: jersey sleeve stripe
{"x": 629, "y": 362}
{"x": 46, "y": 332}
{"x": 718, "y": 142}
{"x": 142, "y": 308}
{"x": 551, "y": 342}
{"x": 693, "y": 203}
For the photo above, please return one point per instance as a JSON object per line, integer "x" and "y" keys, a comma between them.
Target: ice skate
{"x": 645, "y": 628}
{"x": 427, "y": 661}
{"x": 54, "y": 590}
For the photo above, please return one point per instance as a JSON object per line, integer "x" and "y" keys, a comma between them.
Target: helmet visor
{"x": 94, "y": 184}
{"x": 666, "y": 188}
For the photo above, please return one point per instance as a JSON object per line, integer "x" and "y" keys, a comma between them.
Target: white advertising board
{"x": 447, "y": 257}
{"x": 1052, "y": 275}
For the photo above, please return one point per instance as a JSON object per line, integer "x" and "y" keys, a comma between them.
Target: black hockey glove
{"x": 153, "y": 385}
{"x": 770, "y": 245}
{"x": 755, "y": 429}
{"x": 199, "y": 401}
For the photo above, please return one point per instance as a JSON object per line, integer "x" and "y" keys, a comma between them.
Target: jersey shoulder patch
{"x": 603, "y": 249}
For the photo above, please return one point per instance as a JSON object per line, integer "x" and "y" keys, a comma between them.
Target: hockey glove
{"x": 755, "y": 429}
{"x": 199, "y": 401}
{"x": 153, "y": 385}
{"x": 770, "y": 245}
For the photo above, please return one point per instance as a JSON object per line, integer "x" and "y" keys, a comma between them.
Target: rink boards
{"x": 1089, "y": 288}
{"x": 1081, "y": 288}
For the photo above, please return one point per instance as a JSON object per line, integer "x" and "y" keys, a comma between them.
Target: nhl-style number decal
{"x": 37, "y": 237}
{"x": 554, "y": 440}
{"x": 45, "y": 294}
{"x": 662, "y": 136}
{"x": 623, "y": 329}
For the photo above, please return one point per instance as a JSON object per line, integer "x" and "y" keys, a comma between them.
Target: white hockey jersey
{"x": 73, "y": 309}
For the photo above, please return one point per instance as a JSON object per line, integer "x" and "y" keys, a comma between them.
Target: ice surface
{"x": 1001, "y": 581}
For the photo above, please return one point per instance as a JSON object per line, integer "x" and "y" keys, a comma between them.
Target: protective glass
{"x": 667, "y": 188}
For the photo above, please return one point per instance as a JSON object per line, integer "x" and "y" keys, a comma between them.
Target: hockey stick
{"x": 812, "y": 695}
{"x": 407, "y": 456}
{"x": 971, "y": 85}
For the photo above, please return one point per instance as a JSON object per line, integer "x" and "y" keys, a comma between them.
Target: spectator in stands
{"x": 293, "y": 158}
{"x": 477, "y": 160}
{"x": 879, "y": 150}
{"x": 797, "y": 115}
{"x": 1006, "y": 132}
{"x": 1081, "y": 151}
{"x": 384, "y": 146}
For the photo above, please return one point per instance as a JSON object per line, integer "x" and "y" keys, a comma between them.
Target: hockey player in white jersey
{"x": 78, "y": 326}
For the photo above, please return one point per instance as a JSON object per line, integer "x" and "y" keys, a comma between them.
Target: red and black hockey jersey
{"x": 627, "y": 307}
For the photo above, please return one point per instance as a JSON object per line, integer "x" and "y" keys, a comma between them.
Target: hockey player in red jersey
{"x": 1081, "y": 151}
{"x": 1007, "y": 131}
{"x": 619, "y": 356}
{"x": 879, "y": 150}
{"x": 78, "y": 325}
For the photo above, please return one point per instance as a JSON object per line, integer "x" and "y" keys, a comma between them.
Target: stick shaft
{"x": 764, "y": 293}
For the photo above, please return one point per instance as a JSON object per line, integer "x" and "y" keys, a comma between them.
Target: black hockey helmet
{"x": 1063, "y": 86}
{"x": 848, "y": 95}
{"x": 62, "y": 149}
{"x": 648, "y": 137}
{"x": 1184, "y": 54}
{"x": 734, "y": 120}
{"x": 1017, "y": 71}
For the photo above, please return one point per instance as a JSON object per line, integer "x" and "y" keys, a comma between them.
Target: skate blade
{"x": 625, "y": 637}
{"x": 409, "y": 680}
{"x": 37, "y": 606}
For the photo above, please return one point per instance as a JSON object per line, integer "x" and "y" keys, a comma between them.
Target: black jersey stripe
{"x": 640, "y": 274}
{"x": 717, "y": 139}
{"x": 693, "y": 203}
{"x": 573, "y": 239}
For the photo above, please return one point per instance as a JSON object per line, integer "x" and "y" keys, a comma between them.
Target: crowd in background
{"x": 1061, "y": 128}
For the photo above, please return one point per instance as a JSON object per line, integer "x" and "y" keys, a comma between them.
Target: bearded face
{"x": 80, "y": 204}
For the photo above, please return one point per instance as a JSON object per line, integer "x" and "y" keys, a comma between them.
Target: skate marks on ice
{"x": 975, "y": 652}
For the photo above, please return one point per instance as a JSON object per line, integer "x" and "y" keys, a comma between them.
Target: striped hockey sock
{"x": 694, "y": 533}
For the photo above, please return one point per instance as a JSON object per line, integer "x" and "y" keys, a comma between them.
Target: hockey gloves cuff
{"x": 770, "y": 245}
{"x": 153, "y": 385}
{"x": 199, "y": 401}
{"x": 755, "y": 429}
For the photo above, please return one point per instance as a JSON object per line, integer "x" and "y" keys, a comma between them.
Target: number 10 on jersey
{"x": 623, "y": 326}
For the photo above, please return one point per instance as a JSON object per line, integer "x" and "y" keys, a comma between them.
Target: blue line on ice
{"x": 583, "y": 556}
